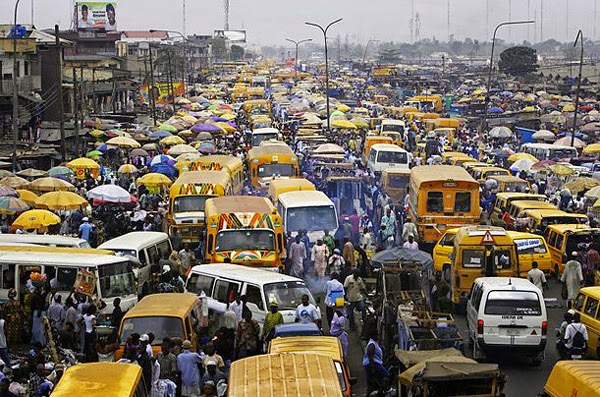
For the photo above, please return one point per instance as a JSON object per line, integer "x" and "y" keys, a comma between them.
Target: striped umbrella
{"x": 12, "y": 205}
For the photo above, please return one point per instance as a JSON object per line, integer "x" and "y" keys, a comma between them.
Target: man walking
{"x": 537, "y": 277}
{"x": 189, "y": 363}
{"x": 354, "y": 286}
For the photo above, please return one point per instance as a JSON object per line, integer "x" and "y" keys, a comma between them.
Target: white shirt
{"x": 411, "y": 246}
{"x": 331, "y": 285}
{"x": 307, "y": 314}
{"x": 237, "y": 309}
{"x": 87, "y": 320}
{"x": 537, "y": 277}
{"x": 572, "y": 329}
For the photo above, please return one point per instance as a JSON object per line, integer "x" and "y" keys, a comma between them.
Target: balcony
{"x": 24, "y": 84}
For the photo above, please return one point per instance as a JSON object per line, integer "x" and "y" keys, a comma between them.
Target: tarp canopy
{"x": 410, "y": 358}
{"x": 396, "y": 255}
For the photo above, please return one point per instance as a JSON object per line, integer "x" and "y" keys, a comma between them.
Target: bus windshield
{"x": 251, "y": 239}
{"x": 311, "y": 218}
{"x": 161, "y": 326}
{"x": 563, "y": 153}
{"x": 268, "y": 170}
{"x": 189, "y": 203}
{"x": 287, "y": 294}
{"x": 258, "y": 138}
{"x": 392, "y": 157}
{"x": 116, "y": 280}
{"x": 393, "y": 128}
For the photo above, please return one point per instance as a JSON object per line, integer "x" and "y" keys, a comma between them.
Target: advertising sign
{"x": 97, "y": 15}
{"x": 236, "y": 36}
{"x": 161, "y": 92}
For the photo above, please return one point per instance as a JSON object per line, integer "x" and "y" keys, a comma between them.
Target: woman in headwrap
{"x": 13, "y": 313}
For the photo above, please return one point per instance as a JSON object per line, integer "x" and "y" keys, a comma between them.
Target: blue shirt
{"x": 85, "y": 229}
{"x": 377, "y": 357}
{"x": 187, "y": 362}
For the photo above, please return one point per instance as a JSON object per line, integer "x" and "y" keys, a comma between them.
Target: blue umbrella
{"x": 495, "y": 109}
{"x": 165, "y": 169}
{"x": 160, "y": 134}
{"x": 162, "y": 159}
{"x": 507, "y": 94}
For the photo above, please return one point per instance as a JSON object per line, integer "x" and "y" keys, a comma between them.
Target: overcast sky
{"x": 271, "y": 21}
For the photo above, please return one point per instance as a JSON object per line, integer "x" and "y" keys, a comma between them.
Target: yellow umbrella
{"x": 83, "y": 163}
{"x": 180, "y": 149}
{"x": 345, "y": 124}
{"x": 359, "y": 122}
{"x": 172, "y": 140}
{"x": 520, "y": 156}
{"x": 186, "y": 133}
{"x": 97, "y": 133}
{"x": 228, "y": 116}
{"x": 190, "y": 119}
{"x": 16, "y": 182}
{"x": 60, "y": 201}
{"x": 36, "y": 219}
{"x": 582, "y": 183}
{"x": 27, "y": 196}
{"x": 561, "y": 170}
{"x": 128, "y": 169}
{"x": 344, "y": 108}
{"x": 597, "y": 204}
{"x": 32, "y": 173}
{"x": 50, "y": 184}
{"x": 123, "y": 142}
{"x": 225, "y": 126}
{"x": 154, "y": 179}
{"x": 593, "y": 148}
{"x": 568, "y": 108}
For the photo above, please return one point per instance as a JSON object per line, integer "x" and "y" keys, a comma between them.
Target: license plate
{"x": 513, "y": 332}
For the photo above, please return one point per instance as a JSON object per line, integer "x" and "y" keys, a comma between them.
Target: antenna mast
{"x": 226, "y": 24}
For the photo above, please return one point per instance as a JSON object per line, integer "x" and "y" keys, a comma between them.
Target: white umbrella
{"x": 544, "y": 135}
{"x": 500, "y": 132}
{"x": 110, "y": 193}
{"x": 523, "y": 164}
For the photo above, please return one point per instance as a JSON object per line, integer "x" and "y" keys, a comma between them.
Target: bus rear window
{"x": 435, "y": 202}
{"x": 513, "y": 303}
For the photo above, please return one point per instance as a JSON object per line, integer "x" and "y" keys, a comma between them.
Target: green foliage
{"x": 237, "y": 52}
{"x": 518, "y": 61}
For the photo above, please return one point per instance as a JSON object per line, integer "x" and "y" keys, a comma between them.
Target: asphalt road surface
{"x": 523, "y": 378}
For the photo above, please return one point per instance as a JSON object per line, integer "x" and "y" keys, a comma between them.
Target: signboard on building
{"x": 236, "y": 36}
{"x": 23, "y": 45}
{"x": 161, "y": 92}
{"x": 97, "y": 15}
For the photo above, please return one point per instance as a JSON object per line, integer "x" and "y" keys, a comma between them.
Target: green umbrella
{"x": 61, "y": 171}
{"x": 94, "y": 153}
{"x": 168, "y": 128}
{"x": 337, "y": 113}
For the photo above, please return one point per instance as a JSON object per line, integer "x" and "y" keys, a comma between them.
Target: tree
{"x": 219, "y": 48}
{"x": 518, "y": 61}
{"x": 237, "y": 52}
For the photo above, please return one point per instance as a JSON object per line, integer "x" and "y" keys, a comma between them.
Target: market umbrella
{"x": 127, "y": 169}
{"x": 8, "y": 191}
{"x": 543, "y": 164}
{"x": 581, "y": 184}
{"x": 522, "y": 164}
{"x": 168, "y": 127}
{"x": 139, "y": 152}
{"x": 500, "y": 132}
{"x": 172, "y": 140}
{"x": 83, "y": 163}
{"x": 154, "y": 179}
{"x": 124, "y": 142}
{"x": 60, "y": 201}
{"x": 544, "y": 135}
{"x": 181, "y": 149}
{"x": 227, "y": 127}
{"x": 5, "y": 173}
{"x": 27, "y": 196}
{"x": 32, "y": 173}
{"x": 359, "y": 122}
{"x": 149, "y": 146}
{"x": 109, "y": 194}
{"x": 188, "y": 156}
{"x": 50, "y": 184}
{"x": 60, "y": 171}
{"x": 566, "y": 141}
{"x": 205, "y": 127}
{"x": 561, "y": 170}
{"x": 16, "y": 182}
{"x": 593, "y": 148}
{"x": 94, "y": 154}
{"x": 495, "y": 109}
{"x": 186, "y": 133}
{"x": 97, "y": 133}
{"x": 593, "y": 193}
{"x": 12, "y": 205}
{"x": 521, "y": 156}
{"x": 204, "y": 136}
{"x": 206, "y": 147}
{"x": 591, "y": 127}
{"x": 329, "y": 148}
{"x": 36, "y": 219}
{"x": 160, "y": 134}
{"x": 336, "y": 113}
{"x": 344, "y": 124}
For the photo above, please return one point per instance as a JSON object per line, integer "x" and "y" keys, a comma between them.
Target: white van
{"x": 507, "y": 314}
{"x": 221, "y": 281}
{"x": 146, "y": 247}
{"x": 264, "y": 134}
{"x": 385, "y": 155}
{"x": 47, "y": 240}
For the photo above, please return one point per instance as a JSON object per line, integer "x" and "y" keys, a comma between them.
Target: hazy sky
{"x": 271, "y": 21}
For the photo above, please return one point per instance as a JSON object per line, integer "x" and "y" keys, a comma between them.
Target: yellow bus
{"x": 187, "y": 198}
{"x": 218, "y": 162}
{"x": 266, "y": 162}
{"x": 279, "y": 186}
{"x": 101, "y": 379}
{"x": 442, "y": 197}
{"x": 564, "y": 240}
{"x": 480, "y": 251}
{"x": 244, "y": 229}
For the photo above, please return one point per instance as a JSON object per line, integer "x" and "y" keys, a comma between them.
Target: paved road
{"x": 523, "y": 378}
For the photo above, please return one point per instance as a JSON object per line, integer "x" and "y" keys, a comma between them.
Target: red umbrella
{"x": 540, "y": 165}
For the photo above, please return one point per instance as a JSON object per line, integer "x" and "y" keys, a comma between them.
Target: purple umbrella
{"x": 495, "y": 110}
{"x": 217, "y": 119}
{"x": 231, "y": 123}
{"x": 206, "y": 128}
{"x": 207, "y": 147}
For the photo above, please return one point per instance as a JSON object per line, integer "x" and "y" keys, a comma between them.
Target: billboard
{"x": 97, "y": 15}
{"x": 161, "y": 92}
{"x": 236, "y": 36}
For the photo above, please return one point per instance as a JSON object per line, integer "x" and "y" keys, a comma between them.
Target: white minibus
{"x": 385, "y": 155}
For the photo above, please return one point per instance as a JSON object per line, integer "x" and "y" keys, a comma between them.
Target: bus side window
{"x": 559, "y": 240}
{"x": 8, "y": 276}
{"x": 280, "y": 247}
{"x": 254, "y": 296}
{"x": 209, "y": 244}
{"x": 224, "y": 290}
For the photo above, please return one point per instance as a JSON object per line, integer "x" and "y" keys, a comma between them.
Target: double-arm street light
{"x": 297, "y": 44}
{"x": 580, "y": 39}
{"x": 489, "y": 79}
{"x": 324, "y": 30}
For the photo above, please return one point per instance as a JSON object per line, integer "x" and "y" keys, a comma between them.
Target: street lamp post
{"x": 367, "y": 48}
{"x": 15, "y": 101}
{"x": 324, "y": 30}
{"x": 297, "y": 44}
{"x": 185, "y": 40}
{"x": 580, "y": 39}
{"x": 489, "y": 79}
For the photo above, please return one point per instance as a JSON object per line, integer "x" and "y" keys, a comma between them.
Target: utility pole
{"x": 15, "y": 101}
{"x": 82, "y": 104}
{"x": 61, "y": 101}
{"x": 75, "y": 112}
{"x": 448, "y": 20}
{"x": 171, "y": 90}
{"x": 151, "y": 87}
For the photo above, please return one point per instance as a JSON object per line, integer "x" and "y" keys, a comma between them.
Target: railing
{"x": 24, "y": 85}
